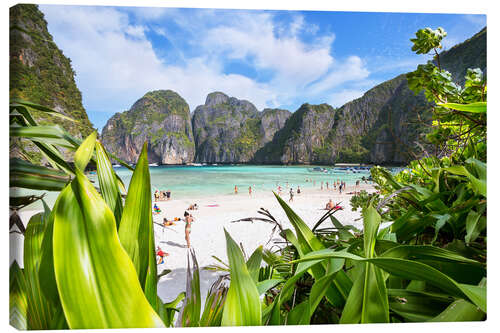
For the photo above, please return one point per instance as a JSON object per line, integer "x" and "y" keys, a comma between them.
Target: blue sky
{"x": 271, "y": 58}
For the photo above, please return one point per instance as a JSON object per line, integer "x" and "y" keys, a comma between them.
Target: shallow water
{"x": 204, "y": 181}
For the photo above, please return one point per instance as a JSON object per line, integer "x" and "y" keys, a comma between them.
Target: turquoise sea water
{"x": 198, "y": 181}
{"x": 205, "y": 181}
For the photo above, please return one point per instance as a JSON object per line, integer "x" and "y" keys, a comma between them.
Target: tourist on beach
{"x": 235, "y": 189}
{"x": 250, "y": 190}
{"x": 327, "y": 185}
{"x": 334, "y": 186}
{"x": 321, "y": 186}
{"x": 357, "y": 186}
{"x": 193, "y": 207}
{"x": 329, "y": 205}
{"x": 298, "y": 189}
{"x": 340, "y": 188}
{"x": 161, "y": 255}
{"x": 291, "y": 195}
{"x": 279, "y": 190}
{"x": 167, "y": 223}
{"x": 157, "y": 195}
{"x": 168, "y": 194}
{"x": 188, "y": 219}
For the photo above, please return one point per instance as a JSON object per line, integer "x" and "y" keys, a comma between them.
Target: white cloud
{"x": 340, "y": 98}
{"x": 352, "y": 69}
{"x": 116, "y": 63}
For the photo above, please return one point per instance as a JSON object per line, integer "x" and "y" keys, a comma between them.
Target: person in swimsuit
{"x": 329, "y": 205}
{"x": 250, "y": 190}
{"x": 161, "y": 255}
{"x": 235, "y": 189}
{"x": 298, "y": 189}
{"x": 188, "y": 218}
{"x": 291, "y": 195}
{"x": 168, "y": 194}
{"x": 157, "y": 195}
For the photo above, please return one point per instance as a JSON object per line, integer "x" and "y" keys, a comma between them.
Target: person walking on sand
{"x": 235, "y": 189}
{"x": 291, "y": 195}
{"x": 188, "y": 218}
{"x": 250, "y": 190}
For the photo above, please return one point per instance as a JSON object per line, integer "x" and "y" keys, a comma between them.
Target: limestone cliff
{"x": 161, "y": 118}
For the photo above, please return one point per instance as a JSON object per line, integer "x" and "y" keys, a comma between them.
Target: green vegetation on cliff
{"x": 40, "y": 73}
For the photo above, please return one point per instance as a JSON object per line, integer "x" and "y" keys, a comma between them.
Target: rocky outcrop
{"x": 385, "y": 125}
{"x": 40, "y": 73}
{"x": 229, "y": 130}
{"x": 161, "y": 118}
{"x": 405, "y": 118}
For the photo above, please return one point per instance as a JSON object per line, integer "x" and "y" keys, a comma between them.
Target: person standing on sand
{"x": 321, "y": 186}
{"x": 157, "y": 195}
{"x": 168, "y": 194}
{"x": 357, "y": 187}
{"x": 327, "y": 185}
{"x": 235, "y": 189}
{"x": 291, "y": 195}
{"x": 188, "y": 218}
{"x": 279, "y": 190}
{"x": 298, "y": 189}
{"x": 250, "y": 190}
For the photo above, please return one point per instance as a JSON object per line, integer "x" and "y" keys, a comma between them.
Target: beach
{"x": 215, "y": 213}
{"x": 207, "y": 235}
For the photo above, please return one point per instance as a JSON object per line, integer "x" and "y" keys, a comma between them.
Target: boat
{"x": 116, "y": 165}
{"x": 153, "y": 164}
{"x": 194, "y": 164}
{"x": 318, "y": 169}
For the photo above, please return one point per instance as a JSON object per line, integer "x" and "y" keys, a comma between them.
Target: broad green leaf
{"x": 98, "y": 285}
{"x": 191, "y": 309}
{"x": 460, "y": 310}
{"x": 416, "y": 252}
{"x": 242, "y": 306}
{"x": 477, "y": 107}
{"x": 415, "y": 306}
{"x": 367, "y": 301}
{"x": 253, "y": 263}
{"x": 46, "y": 274}
{"x": 19, "y": 102}
{"x": 26, "y": 175}
{"x": 337, "y": 291}
{"x": 265, "y": 285}
{"x": 84, "y": 153}
{"x": 18, "y": 305}
{"x": 214, "y": 304}
{"x": 412, "y": 270}
{"x": 136, "y": 224}
{"x": 171, "y": 309}
{"x": 108, "y": 182}
{"x": 40, "y": 312}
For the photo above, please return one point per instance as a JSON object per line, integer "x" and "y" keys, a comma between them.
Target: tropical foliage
{"x": 421, "y": 256}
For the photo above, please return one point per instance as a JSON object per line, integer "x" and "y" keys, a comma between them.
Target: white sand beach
{"x": 207, "y": 235}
